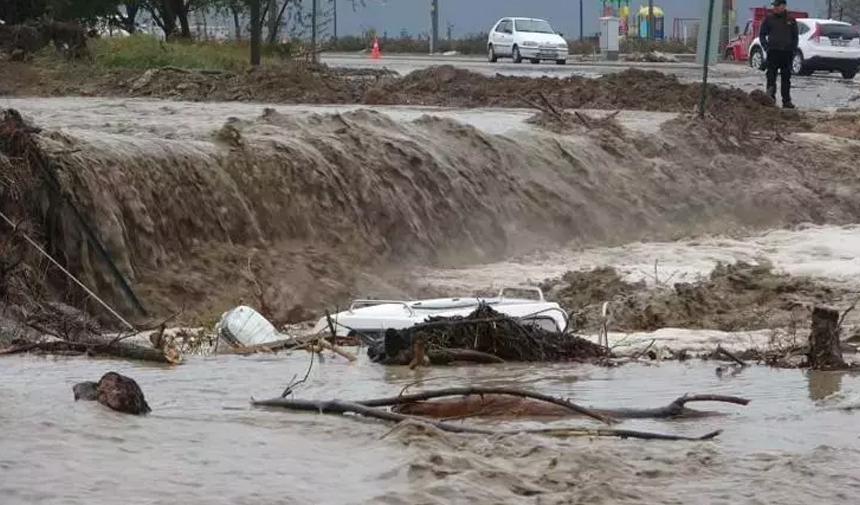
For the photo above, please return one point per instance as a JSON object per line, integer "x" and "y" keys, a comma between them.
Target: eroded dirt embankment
{"x": 288, "y": 213}
{"x": 733, "y": 297}
{"x": 443, "y": 85}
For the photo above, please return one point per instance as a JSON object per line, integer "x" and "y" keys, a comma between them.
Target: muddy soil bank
{"x": 291, "y": 214}
{"x": 733, "y": 297}
{"x": 443, "y": 85}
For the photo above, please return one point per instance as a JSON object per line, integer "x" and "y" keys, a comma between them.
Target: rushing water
{"x": 796, "y": 442}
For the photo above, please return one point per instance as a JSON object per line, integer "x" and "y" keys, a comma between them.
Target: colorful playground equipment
{"x": 621, "y": 9}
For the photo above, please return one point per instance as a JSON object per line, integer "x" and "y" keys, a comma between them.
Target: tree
{"x": 168, "y": 13}
{"x": 19, "y": 11}
{"x": 846, "y": 10}
{"x": 126, "y": 17}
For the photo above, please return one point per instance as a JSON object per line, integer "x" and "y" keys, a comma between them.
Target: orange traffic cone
{"x": 375, "y": 53}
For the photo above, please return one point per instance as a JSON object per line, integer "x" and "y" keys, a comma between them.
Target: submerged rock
{"x": 86, "y": 391}
{"x": 116, "y": 391}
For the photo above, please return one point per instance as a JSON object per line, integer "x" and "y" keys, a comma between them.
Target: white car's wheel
{"x": 491, "y": 54}
{"x": 515, "y": 54}
{"x": 797, "y": 66}
{"x": 756, "y": 58}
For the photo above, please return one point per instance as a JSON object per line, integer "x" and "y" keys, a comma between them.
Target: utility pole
{"x": 829, "y": 9}
{"x": 315, "y": 56}
{"x": 650, "y": 19}
{"x": 256, "y": 29}
{"x": 273, "y": 20}
{"x": 334, "y": 14}
{"x": 581, "y": 16}
{"x": 434, "y": 26}
{"x": 703, "y": 95}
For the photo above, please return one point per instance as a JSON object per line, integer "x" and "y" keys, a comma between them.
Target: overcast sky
{"x": 470, "y": 16}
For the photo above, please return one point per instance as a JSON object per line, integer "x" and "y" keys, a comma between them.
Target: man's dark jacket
{"x": 779, "y": 31}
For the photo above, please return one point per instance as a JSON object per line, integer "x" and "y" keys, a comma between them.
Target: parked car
{"x": 526, "y": 38}
{"x": 825, "y": 45}
{"x": 739, "y": 45}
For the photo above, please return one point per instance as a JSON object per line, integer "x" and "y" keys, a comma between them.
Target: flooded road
{"x": 794, "y": 443}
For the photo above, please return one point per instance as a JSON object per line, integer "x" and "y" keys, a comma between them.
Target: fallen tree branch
{"x": 342, "y": 407}
{"x": 448, "y": 356}
{"x": 675, "y": 409}
{"x": 502, "y": 406}
{"x": 603, "y": 432}
{"x": 160, "y": 326}
{"x": 465, "y": 391}
{"x": 731, "y": 356}
{"x": 337, "y": 350}
{"x": 126, "y": 351}
{"x": 274, "y": 346}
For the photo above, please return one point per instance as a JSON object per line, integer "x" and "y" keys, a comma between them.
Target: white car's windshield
{"x": 533, "y": 26}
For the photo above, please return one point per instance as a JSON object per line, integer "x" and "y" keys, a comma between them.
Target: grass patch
{"x": 145, "y": 51}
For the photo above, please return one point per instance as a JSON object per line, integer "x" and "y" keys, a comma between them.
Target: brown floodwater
{"x": 796, "y": 442}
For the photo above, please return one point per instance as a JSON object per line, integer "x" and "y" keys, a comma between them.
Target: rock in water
{"x": 86, "y": 390}
{"x": 116, "y": 391}
{"x": 122, "y": 394}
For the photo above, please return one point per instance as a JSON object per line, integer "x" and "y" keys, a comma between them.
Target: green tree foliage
{"x": 19, "y": 11}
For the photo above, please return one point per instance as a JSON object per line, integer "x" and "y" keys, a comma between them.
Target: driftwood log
{"x": 825, "y": 349}
{"x": 116, "y": 350}
{"x": 343, "y": 407}
{"x": 507, "y": 406}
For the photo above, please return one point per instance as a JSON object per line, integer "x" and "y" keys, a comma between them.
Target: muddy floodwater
{"x": 796, "y": 442}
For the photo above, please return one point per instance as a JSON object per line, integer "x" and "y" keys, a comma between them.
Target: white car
{"x": 824, "y": 45}
{"x": 526, "y": 39}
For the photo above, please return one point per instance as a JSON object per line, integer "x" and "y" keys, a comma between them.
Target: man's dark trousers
{"x": 779, "y": 60}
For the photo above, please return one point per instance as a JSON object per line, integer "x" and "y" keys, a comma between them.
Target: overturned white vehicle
{"x": 369, "y": 319}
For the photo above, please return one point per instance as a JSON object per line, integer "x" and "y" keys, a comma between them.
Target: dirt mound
{"x": 734, "y": 297}
{"x": 845, "y": 125}
{"x": 299, "y": 83}
{"x": 631, "y": 89}
{"x": 285, "y": 212}
{"x": 444, "y": 85}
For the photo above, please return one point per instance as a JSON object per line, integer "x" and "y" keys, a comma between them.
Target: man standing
{"x": 779, "y": 38}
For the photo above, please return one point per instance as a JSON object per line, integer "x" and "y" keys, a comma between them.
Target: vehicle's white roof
{"x": 823, "y": 21}
{"x": 516, "y": 18}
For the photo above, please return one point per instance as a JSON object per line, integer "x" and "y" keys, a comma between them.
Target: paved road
{"x": 820, "y": 90}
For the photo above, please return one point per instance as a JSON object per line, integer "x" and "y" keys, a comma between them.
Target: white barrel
{"x": 247, "y": 326}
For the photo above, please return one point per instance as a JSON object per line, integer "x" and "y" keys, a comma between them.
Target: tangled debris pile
{"x": 486, "y": 336}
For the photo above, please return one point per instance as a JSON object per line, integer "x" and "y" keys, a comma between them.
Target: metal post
{"x": 829, "y": 9}
{"x": 334, "y": 13}
{"x": 256, "y": 32}
{"x": 581, "y": 15}
{"x": 315, "y": 56}
{"x": 650, "y": 19}
{"x": 273, "y": 21}
{"x": 434, "y": 26}
{"x": 703, "y": 96}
